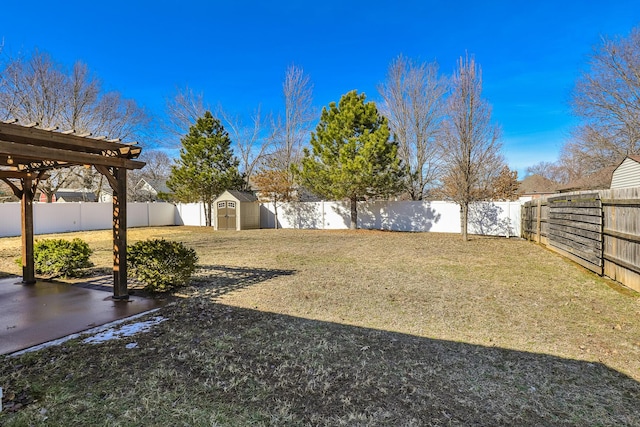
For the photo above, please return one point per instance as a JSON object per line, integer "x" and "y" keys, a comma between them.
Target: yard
{"x": 293, "y": 327}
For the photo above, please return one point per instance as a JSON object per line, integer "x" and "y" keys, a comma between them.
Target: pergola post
{"x": 26, "y": 203}
{"x": 120, "y": 290}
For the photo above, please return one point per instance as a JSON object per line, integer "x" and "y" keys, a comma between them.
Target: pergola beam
{"x": 19, "y": 175}
{"x": 47, "y": 138}
{"x": 24, "y": 153}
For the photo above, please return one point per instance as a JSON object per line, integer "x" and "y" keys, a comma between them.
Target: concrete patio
{"x": 35, "y": 314}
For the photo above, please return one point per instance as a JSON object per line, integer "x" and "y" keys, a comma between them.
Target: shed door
{"x": 226, "y": 215}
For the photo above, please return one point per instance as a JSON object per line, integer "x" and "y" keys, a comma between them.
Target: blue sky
{"x": 236, "y": 52}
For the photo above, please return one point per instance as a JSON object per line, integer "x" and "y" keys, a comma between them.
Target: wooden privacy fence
{"x": 598, "y": 230}
{"x": 535, "y": 221}
{"x": 575, "y": 228}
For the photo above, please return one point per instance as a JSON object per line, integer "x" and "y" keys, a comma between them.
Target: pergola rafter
{"x": 28, "y": 153}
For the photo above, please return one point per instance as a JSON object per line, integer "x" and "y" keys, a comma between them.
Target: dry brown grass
{"x": 291, "y": 327}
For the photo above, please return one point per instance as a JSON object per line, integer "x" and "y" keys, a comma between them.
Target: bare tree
{"x": 183, "y": 110}
{"x": 548, "y": 170}
{"x": 413, "y": 96}
{"x": 470, "y": 141}
{"x": 37, "y": 89}
{"x": 292, "y": 129}
{"x": 607, "y": 100}
{"x": 253, "y": 141}
{"x": 34, "y": 90}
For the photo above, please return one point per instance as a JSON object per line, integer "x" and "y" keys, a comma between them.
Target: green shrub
{"x": 59, "y": 257}
{"x": 161, "y": 265}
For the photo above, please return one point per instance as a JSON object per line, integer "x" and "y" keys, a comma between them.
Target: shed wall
{"x": 626, "y": 175}
{"x": 249, "y": 215}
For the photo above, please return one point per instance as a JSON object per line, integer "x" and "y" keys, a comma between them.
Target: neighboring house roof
{"x": 153, "y": 185}
{"x": 536, "y": 184}
{"x": 242, "y": 196}
{"x": 160, "y": 185}
{"x": 599, "y": 180}
{"x": 75, "y": 196}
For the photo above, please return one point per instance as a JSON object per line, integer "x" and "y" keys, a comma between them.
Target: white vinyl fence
{"x": 488, "y": 218}
{"x": 64, "y": 217}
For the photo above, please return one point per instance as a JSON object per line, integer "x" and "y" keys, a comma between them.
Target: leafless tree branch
{"x": 413, "y": 96}
{"x": 606, "y": 98}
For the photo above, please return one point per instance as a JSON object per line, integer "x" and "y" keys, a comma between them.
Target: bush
{"x": 59, "y": 257}
{"x": 161, "y": 265}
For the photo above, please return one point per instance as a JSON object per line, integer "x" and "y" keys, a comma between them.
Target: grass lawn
{"x": 293, "y": 327}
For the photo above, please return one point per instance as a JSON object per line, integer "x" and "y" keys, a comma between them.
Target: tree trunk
{"x": 207, "y": 213}
{"x": 464, "y": 216}
{"x": 275, "y": 213}
{"x": 354, "y": 214}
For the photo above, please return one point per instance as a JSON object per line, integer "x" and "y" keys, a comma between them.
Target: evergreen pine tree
{"x": 353, "y": 156}
{"x": 206, "y": 167}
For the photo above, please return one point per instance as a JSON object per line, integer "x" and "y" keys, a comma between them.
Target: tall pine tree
{"x": 206, "y": 167}
{"x": 352, "y": 154}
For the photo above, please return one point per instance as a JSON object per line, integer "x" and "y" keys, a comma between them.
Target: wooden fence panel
{"x": 534, "y": 217}
{"x": 622, "y": 235}
{"x": 575, "y": 228}
{"x": 544, "y": 222}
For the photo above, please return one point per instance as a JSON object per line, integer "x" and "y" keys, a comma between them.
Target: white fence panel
{"x": 495, "y": 218}
{"x": 62, "y": 217}
{"x": 306, "y": 215}
{"x": 488, "y": 218}
{"x": 137, "y": 215}
{"x": 336, "y": 215}
{"x": 65, "y": 217}
{"x": 417, "y": 216}
{"x": 161, "y": 214}
{"x": 95, "y": 216}
{"x": 190, "y": 214}
{"x": 10, "y": 219}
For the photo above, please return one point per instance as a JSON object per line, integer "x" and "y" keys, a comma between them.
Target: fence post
{"x": 508, "y": 216}
{"x": 539, "y": 221}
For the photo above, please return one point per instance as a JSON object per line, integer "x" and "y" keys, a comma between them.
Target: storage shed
{"x": 237, "y": 210}
{"x": 627, "y": 174}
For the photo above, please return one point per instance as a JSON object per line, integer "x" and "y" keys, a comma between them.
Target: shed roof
{"x": 634, "y": 157}
{"x": 243, "y": 196}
